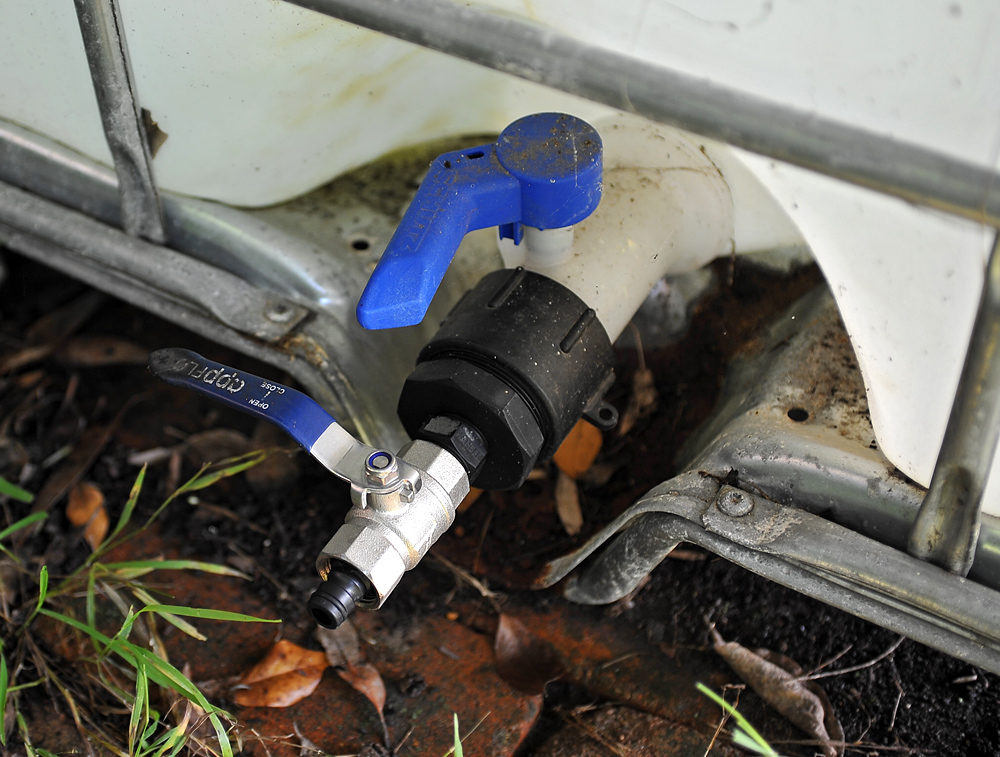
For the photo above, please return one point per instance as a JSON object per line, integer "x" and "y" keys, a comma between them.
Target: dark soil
{"x": 915, "y": 701}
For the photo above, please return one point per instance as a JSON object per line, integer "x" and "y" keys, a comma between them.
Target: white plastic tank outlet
{"x": 671, "y": 203}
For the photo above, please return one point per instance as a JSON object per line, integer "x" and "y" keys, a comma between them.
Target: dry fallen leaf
{"x": 275, "y": 472}
{"x": 9, "y": 583}
{"x": 94, "y": 350}
{"x": 643, "y": 398}
{"x": 524, "y": 661}
{"x": 85, "y": 507}
{"x": 344, "y": 653}
{"x": 641, "y": 402}
{"x": 83, "y": 456}
{"x": 568, "y": 504}
{"x": 287, "y": 674}
{"x": 307, "y": 747}
{"x": 579, "y": 449}
{"x": 796, "y": 700}
{"x": 216, "y": 444}
{"x": 60, "y": 323}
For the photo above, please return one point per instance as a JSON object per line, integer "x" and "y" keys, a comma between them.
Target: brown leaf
{"x": 276, "y": 472}
{"x": 579, "y": 449}
{"x": 366, "y": 680}
{"x": 343, "y": 651}
{"x": 94, "y": 350}
{"x": 86, "y": 508}
{"x": 216, "y": 444}
{"x": 641, "y": 402}
{"x": 524, "y": 661}
{"x": 23, "y": 357}
{"x": 568, "y": 504}
{"x": 287, "y": 674}
{"x": 51, "y": 328}
{"x": 79, "y": 461}
{"x": 342, "y": 645}
{"x": 796, "y": 700}
{"x": 60, "y": 323}
{"x": 9, "y": 584}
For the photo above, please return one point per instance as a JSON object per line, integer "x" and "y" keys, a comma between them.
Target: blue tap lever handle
{"x": 308, "y": 423}
{"x": 543, "y": 171}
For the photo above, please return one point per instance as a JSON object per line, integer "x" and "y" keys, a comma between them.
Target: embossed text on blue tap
{"x": 543, "y": 171}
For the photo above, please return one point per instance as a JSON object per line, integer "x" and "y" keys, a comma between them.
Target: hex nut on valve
{"x": 369, "y": 552}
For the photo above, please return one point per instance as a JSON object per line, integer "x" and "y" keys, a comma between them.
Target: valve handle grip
{"x": 301, "y": 416}
{"x": 463, "y": 191}
{"x": 543, "y": 171}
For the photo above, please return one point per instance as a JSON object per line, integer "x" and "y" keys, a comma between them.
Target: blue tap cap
{"x": 543, "y": 171}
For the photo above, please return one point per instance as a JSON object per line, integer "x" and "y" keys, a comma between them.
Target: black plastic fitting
{"x": 337, "y": 597}
{"x": 519, "y": 360}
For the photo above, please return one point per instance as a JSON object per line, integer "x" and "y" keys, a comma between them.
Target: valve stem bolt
{"x": 381, "y": 469}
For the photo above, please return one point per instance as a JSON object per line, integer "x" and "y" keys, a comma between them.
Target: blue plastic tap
{"x": 543, "y": 171}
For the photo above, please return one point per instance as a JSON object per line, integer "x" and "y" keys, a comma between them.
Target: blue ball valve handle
{"x": 394, "y": 504}
{"x": 543, "y": 171}
{"x": 302, "y": 417}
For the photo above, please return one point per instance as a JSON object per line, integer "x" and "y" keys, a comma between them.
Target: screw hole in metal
{"x": 798, "y": 414}
{"x": 360, "y": 244}
{"x": 279, "y": 313}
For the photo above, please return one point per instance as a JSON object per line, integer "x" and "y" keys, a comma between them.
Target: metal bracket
{"x": 114, "y": 85}
{"x": 814, "y": 506}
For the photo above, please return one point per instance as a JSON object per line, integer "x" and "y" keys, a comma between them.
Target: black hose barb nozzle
{"x": 337, "y": 596}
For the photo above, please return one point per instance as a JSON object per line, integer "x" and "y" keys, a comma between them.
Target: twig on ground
{"x": 856, "y": 668}
{"x": 593, "y": 733}
{"x": 899, "y": 698}
{"x": 463, "y": 576}
{"x": 725, "y": 716}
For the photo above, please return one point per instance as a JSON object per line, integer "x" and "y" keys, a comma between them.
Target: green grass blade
{"x": 91, "y": 600}
{"x": 177, "y": 680}
{"x": 743, "y": 723}
{"x": 458, "y": 739}
{"x": 95, "y": 635}
{"x": 742, "y": 740}
{"x": 3, "y": 698}
{"x": 7, "y": 489}
{"x": 207, "y": 614}
{"x": 138, "y": 568}
{"x": 130, "y": 503}
{"x": 22, "y": 729}
{"x": 168, "y": 616}
{"x": 174, "y": 740}
{"x": 23, "y": 523}
{"x": 211, "y": 474}
{"x": 126, "y": 630}
{"x": 43, "y": 592}
{"x": 123, "y": 520}
{"x": 137, "y": 723}
{"x": 221, "y": 734}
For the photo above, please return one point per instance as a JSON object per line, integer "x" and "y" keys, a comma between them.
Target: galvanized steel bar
{"x": 107, "y": 55}
{"x": 542, "y": 55}
{"x": 947, "y": 527}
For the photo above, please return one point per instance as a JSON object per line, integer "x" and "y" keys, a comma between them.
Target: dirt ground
{"x": 624, "y": 673}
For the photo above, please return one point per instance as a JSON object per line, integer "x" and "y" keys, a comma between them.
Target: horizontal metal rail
{"x": 538, "y": 54}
